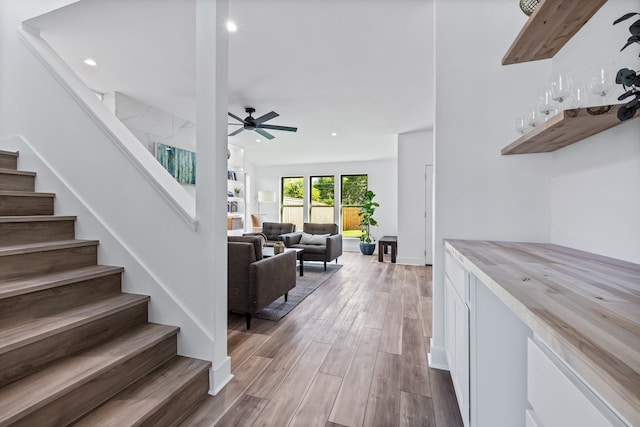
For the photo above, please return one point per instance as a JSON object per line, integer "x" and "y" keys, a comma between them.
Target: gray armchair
{"x": 255, "y": 282}
{"x": 272, "y": 231}
{"x": 315, "y": 248}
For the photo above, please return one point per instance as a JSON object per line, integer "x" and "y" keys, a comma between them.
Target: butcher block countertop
{"x": 585, "y": 307}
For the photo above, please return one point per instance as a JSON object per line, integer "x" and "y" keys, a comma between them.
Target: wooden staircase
{"x": 74, "y": 349}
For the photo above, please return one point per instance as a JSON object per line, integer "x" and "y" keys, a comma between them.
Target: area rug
{"x": 314, "y": 276}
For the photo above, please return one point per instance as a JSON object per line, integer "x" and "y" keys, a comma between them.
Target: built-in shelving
{"x": 549, "y": 27}
{"x": 565, "y": 128}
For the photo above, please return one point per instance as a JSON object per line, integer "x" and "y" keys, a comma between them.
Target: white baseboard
{"x": 220, "y": 376}
{"x": 437, "y": 357}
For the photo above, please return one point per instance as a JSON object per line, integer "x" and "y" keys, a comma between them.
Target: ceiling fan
{"x": 257, "y": 124}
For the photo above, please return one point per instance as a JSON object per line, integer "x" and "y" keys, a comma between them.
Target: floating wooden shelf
{"x": 565, "y": 128}
{"x": 549, "y": 27}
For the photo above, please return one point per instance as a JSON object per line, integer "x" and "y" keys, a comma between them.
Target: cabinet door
{"x": 457, "y": 346}
{"x": 449, "y": 324}
{"x": 461, "y": 380}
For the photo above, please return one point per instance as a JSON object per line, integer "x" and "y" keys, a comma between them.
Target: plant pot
{"x": 367, "y": 248}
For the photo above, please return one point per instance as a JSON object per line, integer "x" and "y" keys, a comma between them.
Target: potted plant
{"x": 367, "y": 242}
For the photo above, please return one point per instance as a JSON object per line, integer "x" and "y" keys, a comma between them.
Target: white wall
{"x": 480, "y": 194}
{"x": 382, "y": 179}
{"x": 595, "y": 187}
{"x": 415, "y": 151}
{"x": 143, "y": 218}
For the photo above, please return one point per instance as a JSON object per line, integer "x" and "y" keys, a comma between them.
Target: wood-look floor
{"x": 354, "y": 353}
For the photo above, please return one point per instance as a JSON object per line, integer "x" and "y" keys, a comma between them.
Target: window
{"x": 352, "y": 192}
{"x": 321, "y": 209}
{"x": 292, "y": 203}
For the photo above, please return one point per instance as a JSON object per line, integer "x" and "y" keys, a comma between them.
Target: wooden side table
{"x": 387, "y": 242}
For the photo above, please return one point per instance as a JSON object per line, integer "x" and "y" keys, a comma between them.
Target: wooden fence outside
{"x": 322, "y": 215}
{"x": 350, "y": 218}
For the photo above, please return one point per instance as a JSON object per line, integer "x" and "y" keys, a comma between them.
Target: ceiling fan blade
{"x": 236, "y": 117}
{"x": 236, "y": 131}
{"x": 235, "y": 124}
{"x": 274, "y": 127}
{"x": 268, "y": 116}
{"x": 264, "y": 133}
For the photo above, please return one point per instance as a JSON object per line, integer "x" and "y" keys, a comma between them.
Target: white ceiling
{"x": 360, "y": 68}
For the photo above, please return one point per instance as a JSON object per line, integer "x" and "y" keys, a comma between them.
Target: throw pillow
{"x": 313, "y": 239}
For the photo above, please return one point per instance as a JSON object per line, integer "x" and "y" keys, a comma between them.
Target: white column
{"x": 211, "y": 137}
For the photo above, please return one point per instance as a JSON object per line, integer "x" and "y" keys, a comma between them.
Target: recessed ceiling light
{"x": 257, "y": 140}
{"x": 333, "y": 134}
{"x": 90, "y": 62}
{"x": 232, "y": 27}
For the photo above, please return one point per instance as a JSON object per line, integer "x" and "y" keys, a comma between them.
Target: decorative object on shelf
{"x": 528, "y": 6}
{"x": 367, "y": 241}
{"x": 236, "y": 191}
{"x": 629, "y": 79}
{"x": 278, "y": 247}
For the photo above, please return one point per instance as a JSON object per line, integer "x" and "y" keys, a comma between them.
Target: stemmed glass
{"x": 603, "y": 81}
{"x": 546, "y": 105}
{"x": 521, "y": 125}
{"x": 561, "y": 87}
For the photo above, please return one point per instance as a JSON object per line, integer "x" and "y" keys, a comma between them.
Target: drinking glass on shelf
{"x": 521, "y": 125}
{"x": 533, "y": 118}
{"x": 603, "y": 81}
{"x": 580, "y": 97}
{"x": 561, "y": 87}
{"x": 546, "y": 104}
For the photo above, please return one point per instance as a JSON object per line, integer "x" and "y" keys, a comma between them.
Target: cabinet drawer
{"x": 457, "y": 275}
{"x": 558, "y": 397}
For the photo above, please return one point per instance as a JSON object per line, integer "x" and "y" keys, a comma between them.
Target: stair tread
{"x": 25, "y": 194}
{"x": 25, "y": 285}
{"x": 134, "y": 404}
{"x": 36, "y": 218}
{"x": 16, "y": 172}
{"x": 9, "y": 153}
{"x": 45, "y": 246}
{"x": 33, "y": 392}
{"x": 32, "y": 330}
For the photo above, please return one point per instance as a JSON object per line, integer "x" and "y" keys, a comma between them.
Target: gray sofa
{"x": 316, "y": 248}
{"x": 273, "y": 231}
{"x": 253, "y": 281}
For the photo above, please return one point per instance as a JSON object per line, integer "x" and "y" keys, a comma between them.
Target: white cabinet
{"x": 457, "y": 331}
{"x": 503, "y": 375}
{"x": 558, "y": 397}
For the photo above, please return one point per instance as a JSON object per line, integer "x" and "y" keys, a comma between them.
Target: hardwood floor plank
{"x": 290, "y": 393}
{"x": 383, "y": 406}
{"x": 391, "y": 339}
{"x": 316, "y": 407}
{"x": 243, "y": 413}
{"x": 417, "y": 411}
{"x": 351, "y": 402}
{"x": 426, "y": 314}
{"x": 377, "y": 310}
{"x": 445, "y": 405}
{"x": 339, "y": 357}
{"x": 415, "y": 372}
{"x": 242, "y": 345}
{"x": 214, "y": 407}
{"x": 292, "y": 346}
